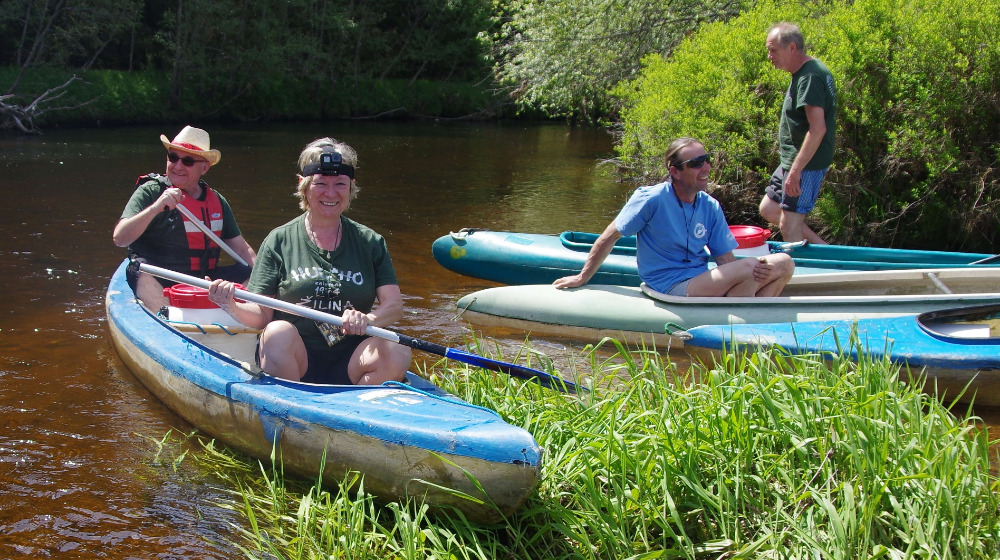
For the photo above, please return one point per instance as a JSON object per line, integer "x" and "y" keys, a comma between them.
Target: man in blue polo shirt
{"x": 674, "y": 222}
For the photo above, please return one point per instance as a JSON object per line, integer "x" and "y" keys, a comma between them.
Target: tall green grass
{"x": 760, "y": 457}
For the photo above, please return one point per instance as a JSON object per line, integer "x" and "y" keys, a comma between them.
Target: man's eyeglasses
{"x": 696, "y": 162}
{"x": 188, "y": 161}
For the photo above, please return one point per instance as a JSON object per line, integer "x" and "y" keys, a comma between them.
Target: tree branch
{"x": 22, "y": 117}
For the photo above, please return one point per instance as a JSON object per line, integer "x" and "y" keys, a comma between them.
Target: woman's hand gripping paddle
{"x": 540, "y": 377}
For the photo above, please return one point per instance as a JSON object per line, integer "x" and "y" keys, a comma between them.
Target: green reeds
{"x": 761, "y": 456}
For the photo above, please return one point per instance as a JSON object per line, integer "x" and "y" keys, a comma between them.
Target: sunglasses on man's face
{"x": 188, "y": 161}
{"x": 696, "y": 162}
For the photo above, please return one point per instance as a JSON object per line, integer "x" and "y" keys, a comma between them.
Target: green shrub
{"x": 918, "y": 86}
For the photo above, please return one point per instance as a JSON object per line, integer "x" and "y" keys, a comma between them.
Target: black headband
{"x": 330, "y": 163}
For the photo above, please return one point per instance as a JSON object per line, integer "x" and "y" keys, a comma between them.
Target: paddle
{"x": 987, "y": 260}
{"x": 211, "y": 235}
{"x": 515, "y": 370}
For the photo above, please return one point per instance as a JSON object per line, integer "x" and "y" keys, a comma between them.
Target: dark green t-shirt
{"x": 811, "y": 85}
{"x": 292, "y": 268}
{"x": 164, "y": 242}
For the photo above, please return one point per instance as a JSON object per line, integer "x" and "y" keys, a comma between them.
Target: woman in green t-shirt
{"x": 327, "y": 262}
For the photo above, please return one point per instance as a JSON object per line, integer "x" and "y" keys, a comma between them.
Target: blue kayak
{"x": 409, "y": 440}
{"x": 954, "y": 348}
{"x": 525, "y": 258}
{"x": 529, "y": 258}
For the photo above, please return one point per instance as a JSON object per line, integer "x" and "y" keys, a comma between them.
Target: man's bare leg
{"x": 772, "y": 212}
{"x": 149, "y": 290}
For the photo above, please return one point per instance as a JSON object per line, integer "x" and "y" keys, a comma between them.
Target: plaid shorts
{"x": 811, "y": 180}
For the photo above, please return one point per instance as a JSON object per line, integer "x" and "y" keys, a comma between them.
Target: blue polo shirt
{"x": 668, "y": 232}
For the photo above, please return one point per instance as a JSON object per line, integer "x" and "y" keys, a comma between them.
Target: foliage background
{"x": 919, "y": 109}
{"x": 240, "y": 60}
{"x": 917, "y": 146}
{"x": 563, "y": 58}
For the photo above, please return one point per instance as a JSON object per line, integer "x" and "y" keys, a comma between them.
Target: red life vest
{"x": 173, "y": 241}
{"x": 210, "y": 213}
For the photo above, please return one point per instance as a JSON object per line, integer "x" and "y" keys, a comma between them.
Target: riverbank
{"x": 752, "y": 460}
{"x": 112, "y": 98}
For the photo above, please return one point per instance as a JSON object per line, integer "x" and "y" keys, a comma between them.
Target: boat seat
{"x": 237, "y": 342}
{"x": 968, "y": 329}
{"x": 992, "y": 325}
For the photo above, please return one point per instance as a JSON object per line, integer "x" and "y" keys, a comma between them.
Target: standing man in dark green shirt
{"x": 806, "y": 135}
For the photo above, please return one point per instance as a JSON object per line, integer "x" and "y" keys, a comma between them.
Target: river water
{"x": 82, "y": 474}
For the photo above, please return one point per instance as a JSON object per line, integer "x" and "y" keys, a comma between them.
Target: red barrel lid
{"x": 750, "y": 236}
{"x": 190, "y": 297}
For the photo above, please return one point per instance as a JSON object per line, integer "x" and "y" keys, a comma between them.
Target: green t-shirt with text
{"x": 292, "y": 268}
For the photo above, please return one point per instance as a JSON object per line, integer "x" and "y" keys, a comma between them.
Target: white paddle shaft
{"x": 266, "y": 301}
{"x": 523, "y": 372}
{"x": 211, "y": 235}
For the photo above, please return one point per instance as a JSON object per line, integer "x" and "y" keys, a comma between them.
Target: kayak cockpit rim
{"x": 979, "y": 323}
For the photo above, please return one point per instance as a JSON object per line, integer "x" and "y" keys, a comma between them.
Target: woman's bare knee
{"x": 379, "y": 362}
{"x": 282, "y": 352}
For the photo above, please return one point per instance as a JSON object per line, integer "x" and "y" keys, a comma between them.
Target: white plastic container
{"x": 190, "y": 304}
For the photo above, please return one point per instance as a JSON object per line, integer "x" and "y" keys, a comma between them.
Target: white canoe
{"x": 640, "y": 314}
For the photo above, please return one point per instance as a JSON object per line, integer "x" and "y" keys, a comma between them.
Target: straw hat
{"x": 194, "y": 141}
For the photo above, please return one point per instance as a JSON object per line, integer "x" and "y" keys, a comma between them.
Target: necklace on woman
{"x": 315, "y": 239}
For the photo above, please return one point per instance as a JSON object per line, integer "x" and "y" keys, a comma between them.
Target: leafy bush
{"x": 718, "y": 87}
{"x": 562, "y": 57}
{"x": 229, "y": 59}
{"x": 918, "y": 133}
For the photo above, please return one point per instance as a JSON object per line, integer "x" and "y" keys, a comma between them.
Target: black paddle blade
{"x": 540, "y": 377}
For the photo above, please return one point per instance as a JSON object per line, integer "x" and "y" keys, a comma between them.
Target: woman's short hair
{"x": 311, "y": 153}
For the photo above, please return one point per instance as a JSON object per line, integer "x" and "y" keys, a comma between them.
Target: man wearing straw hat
{"x": 176, "y": 220}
